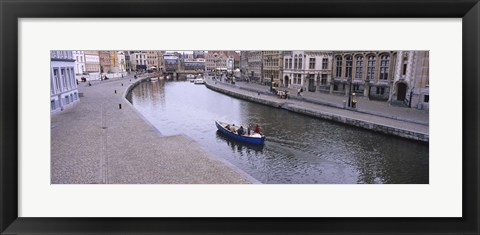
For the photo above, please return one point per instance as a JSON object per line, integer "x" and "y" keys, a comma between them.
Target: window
{"x": 384, "y": 66}
{"x": 297, "y": 78}
{"x": 324, "y": 79}
{"x": 312, "y": 63}
{"x": 380, "y": 90}
{"x": 295, "y": 62}
{"x": 339, "y": 66}
{"x": 426, "y": 98}
{"x": 290, "y": 63}
{"x": 359, "y": 67}
{"x": 300, "y": 64}
{"x": 348, "y": 68}
{"x": 57, "y": 80}
{"x": 286, "y": 63}
{"x": 64, "y": 79}
{"x": 324, "y": 63}
{"x": 371, "y": 67}
{"x": 404, "y": 67}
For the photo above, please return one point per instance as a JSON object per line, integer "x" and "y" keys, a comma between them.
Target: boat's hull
{"x": 198, "y": 81}
{"x": 246, "y": 139}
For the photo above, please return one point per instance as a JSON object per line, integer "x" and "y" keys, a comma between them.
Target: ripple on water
{"x": 298, "y": 149}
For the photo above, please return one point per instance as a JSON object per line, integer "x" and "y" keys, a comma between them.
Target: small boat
{"x": 254, "y": 138}
{"x": 199, "y": 81}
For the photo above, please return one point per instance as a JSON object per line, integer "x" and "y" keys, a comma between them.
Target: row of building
{"x": 399, "y": 77}
{"x": 97, "y": 63}
{"x": 100, "y": 63}
{"x": 70, "y": 67}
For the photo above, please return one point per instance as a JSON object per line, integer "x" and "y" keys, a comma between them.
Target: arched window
{"x": 339, "y": 66}
{"x": 371, "y": 67}
{"x": 384, "y": 66}
{"x": 348, "y": 66}
{"x": 295, "y": 62}
{"x": 358, "y": 67}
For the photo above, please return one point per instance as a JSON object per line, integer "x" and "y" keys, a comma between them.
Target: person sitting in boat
{"x": 227, "y": 127}
{"x": 240, "y": 130}
{"x": 257, "y": 129}
{"x": 232, "y": 128}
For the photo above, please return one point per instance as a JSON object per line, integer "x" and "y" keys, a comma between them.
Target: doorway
{"x": 401, "y": 91}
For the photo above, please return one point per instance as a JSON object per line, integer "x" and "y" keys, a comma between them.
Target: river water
{"x": 298, "y": 149}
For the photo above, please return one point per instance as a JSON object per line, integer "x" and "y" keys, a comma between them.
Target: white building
{"x": 138, "y": 60}
{"x": 79, "y": 57}
{"x": 294, "y": 69}
{"x": 63, "y": 85}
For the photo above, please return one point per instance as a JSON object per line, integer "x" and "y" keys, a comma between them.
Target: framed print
{"x": 127, "y": 141}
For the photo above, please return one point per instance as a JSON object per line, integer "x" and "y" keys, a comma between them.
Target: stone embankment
{"x": 378, "y": 123}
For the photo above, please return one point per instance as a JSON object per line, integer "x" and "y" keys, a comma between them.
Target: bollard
{"x": 119, "y": 106}
{"x": 344, "y": 104}
{"x": 115, "y": 91}
{"x": 122, "y": 84}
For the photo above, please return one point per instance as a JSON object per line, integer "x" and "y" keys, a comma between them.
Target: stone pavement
{"x": 383, "y": 123}
{"x": 95, "y": 142}
{"x": 378, "y": 108}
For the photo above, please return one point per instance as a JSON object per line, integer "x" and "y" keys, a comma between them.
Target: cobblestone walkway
{"x": 95, "y": 142}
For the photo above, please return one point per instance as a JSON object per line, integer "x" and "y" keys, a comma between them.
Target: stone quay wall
{"x": 297, "y": 107}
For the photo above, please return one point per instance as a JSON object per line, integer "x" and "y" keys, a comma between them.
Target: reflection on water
{"x": 298, "y": 149}
{"x": 238, "y": 145}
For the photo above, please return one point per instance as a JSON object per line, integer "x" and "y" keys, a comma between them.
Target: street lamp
{"x": 349, "y": 80}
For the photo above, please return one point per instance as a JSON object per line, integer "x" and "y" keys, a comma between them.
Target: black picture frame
{"x": 12, "y": 10}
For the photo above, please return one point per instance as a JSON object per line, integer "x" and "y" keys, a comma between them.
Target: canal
{"x": 298, "y": 149}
